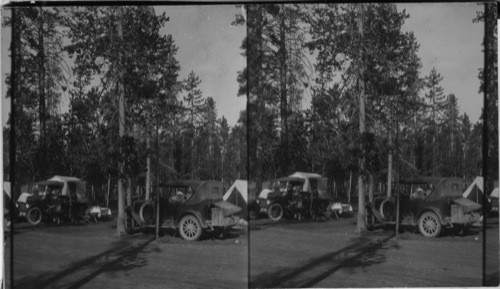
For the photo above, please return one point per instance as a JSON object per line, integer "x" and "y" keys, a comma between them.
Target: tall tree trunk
{"x": 129, "y": 191}
{"x": 350, "y": 188}
{"x": 42, "y": 100}
{"x": 15, "y": 65}
{"x": 283, "y": 92}
{"x": 389, "y": 173}
{"x": 361, "y": 223}
{"x": 120, "y": 220}
{"x": 255, "y": 92}
{"x": 370, "y": 187}
{"x": 148, "y": 172}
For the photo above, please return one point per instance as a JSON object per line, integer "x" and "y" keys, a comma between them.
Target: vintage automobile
{"x": 300, "y": 195}
{"x": 59, "y": 199}
{"x": 191, "y": 207}
{"x": 430, "y": 203}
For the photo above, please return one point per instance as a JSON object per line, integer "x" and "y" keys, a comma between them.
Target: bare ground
{"x": 285, "y": 254}
{"x": 91, "y": 256}
{"x": 330, "y": 254}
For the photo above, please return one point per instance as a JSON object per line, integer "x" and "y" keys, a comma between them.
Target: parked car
{"x": 59, "y": 199}
{"x": 430, "y": 203}
{"x": 191, "y": 207}
{"x": 301, "y": 195}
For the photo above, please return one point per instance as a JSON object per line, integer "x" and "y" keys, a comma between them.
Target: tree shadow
{"x": 363, "y": 252}
{"x": 121, "y": 257}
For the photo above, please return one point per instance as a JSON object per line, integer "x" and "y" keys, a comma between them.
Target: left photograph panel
{"x": 124, "y": 149}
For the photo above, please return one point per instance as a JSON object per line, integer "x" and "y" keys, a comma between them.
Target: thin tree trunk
{"x": 350, "y": 188}
{"x": 283, "y": 92}
{"x": 129, "y": 191}
{"x": 107, "y": 196}
{"x": 42, "y": 100}
{"x": 148, "y": 172}
{"x": 361, "y": 222}
{"x": 120, "y": 220}
{"x": 389, "y": 173}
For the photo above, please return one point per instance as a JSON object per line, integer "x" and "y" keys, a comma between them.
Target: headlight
{"x": 27, "y": 205}
{"x": 258, "y": 201}
{"x": 268, "y": 202}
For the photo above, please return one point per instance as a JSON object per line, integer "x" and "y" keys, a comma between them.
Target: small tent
{"x": 7, "y": 195}
{"x": 240, "y": 193}
{"x": 494, "y": 193}
{"x": 475, "y": 191}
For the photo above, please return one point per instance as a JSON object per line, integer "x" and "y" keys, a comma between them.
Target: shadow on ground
{"x": 121, "y": 257}
{"x": 363, "y": 252}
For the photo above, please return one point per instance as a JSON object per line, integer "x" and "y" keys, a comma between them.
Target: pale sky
{"x": 450, "y": 42}
{"x": 210, "y": 46}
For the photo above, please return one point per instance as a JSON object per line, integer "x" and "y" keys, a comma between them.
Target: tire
{"x": 34, "y": 215}
{"x": 275, "y": 212}
{"x": 190, "y": 228}
{"x": 252, "y": 214}
{"x": 129, "y": 223}
{"x": 147, "y": 213}
{"x": 429, "y": 225}
{"x": 388, "y": 210}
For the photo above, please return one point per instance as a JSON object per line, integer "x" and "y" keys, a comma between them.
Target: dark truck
{"x": 430, "y": 203}
{"x": 191, "y": 207}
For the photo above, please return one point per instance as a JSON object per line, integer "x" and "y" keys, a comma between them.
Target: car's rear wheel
{"x": 275, "y": 212}
{"x": 429, "y": 225}
{"x": 34, "y": 215}
{"x": 190, "y": 228}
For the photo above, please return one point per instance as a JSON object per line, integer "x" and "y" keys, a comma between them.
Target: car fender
{"x": 435, "y": 210}
{"x": 194, "y": 213}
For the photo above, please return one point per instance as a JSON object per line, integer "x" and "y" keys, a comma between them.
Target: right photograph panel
{"x": 374, "y": 160}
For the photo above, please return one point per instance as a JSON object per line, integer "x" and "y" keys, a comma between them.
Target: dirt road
{"x": 91, "y": 257}
{"x": 331, "y": 254}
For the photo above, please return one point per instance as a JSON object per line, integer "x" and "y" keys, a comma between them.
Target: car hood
{"x": 228, "y": 209}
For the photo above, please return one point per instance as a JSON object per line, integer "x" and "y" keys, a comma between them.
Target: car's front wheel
{"x": 34, "y": 215}
{"x": 429, "y": 225}
{"x": 275, "y": 212}
{"x": 190, "y": 228}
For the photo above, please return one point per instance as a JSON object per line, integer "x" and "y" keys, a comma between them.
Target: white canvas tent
{"x": 7, "y": 188}
{"x": 320, "y": 183}
{"x": 239, "y": 187}
{"x": 240, "y": 193}
{"x": 494, "y": 193}
{"x": 475, "y": 191}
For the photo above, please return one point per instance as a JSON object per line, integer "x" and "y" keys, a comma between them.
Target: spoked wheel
{"x": 34, "y": 215}
{"x": 429, "y": 225}
{"x": 275, "y": 212}
{"x": 190, "y": 228}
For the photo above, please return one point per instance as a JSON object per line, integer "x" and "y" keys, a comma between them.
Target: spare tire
{"x": 387, "y": 210}
{"x": 147, "y": 213}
